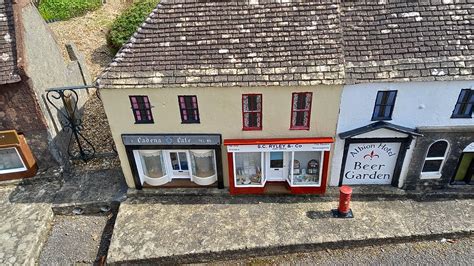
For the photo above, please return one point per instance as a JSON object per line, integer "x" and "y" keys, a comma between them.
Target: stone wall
{"x": 23, "y": 105}
{"x": 457, "y": 137}
{"x": 47, "y": 68}
{"x": 19, "y": 110}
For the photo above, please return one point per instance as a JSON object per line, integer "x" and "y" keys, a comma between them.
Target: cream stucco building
{"x": 204, "y": 95}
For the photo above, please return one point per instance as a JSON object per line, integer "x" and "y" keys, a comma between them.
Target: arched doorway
{"x": 465, "y": 170}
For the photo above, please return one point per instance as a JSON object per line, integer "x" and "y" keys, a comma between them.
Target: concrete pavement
{"x": 23, "y": 229}
{"x": 179, "y": 229}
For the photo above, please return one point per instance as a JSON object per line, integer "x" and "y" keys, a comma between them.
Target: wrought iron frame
{"x": 71, "y": 122}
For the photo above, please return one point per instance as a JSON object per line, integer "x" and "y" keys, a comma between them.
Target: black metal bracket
{"x": 71, "y": 121}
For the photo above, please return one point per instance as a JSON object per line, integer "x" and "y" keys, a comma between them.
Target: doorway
{"x": 465, "y": 171}
{"x": 180, "y": 163}
{"x": 277, "y": 165}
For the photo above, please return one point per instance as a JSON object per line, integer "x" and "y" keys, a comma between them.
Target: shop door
{"x": 469, "y": 173}
{"x": 275, "y": 166}
{"x": 180, "y": 164}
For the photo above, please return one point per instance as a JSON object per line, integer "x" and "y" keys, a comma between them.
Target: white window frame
{"x": 262, "y": 159}
{"x": 150, "y": 180}
{"x": 320, "y": 171}
{"x": 14, "y": 170}
{"x": 434, "y": 174}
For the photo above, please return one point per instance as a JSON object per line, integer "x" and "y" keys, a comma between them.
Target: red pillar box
{"x": 343, "y": 211}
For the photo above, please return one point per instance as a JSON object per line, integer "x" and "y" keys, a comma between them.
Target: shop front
{"x": 175, "y": 160}
{"x": 301, "y": 165}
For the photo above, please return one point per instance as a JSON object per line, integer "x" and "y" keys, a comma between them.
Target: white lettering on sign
{"x": 370, "y": 163}
{"x": 171, "y": 139}
{"x": 279, "y": 147}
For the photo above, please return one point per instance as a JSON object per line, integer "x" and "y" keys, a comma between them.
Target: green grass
{"x": 127, "y": 23}
{"x": 66, "y": 9}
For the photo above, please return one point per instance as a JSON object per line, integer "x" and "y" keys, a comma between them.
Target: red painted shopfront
{"x": 299, "y": 164}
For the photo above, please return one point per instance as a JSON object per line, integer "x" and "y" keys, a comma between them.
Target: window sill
{"x": 299, "y": 128}
{"x": 251, "y": 129}
{"x": 141, "y": 123}
{"x": 192, "y": 122}
{"x": 424, "y": 176}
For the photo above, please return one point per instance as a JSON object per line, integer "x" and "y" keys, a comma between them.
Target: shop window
{"x": 384, "y": 105}
{"x": 203, "y": 163}
{"x": 301, "y": 110}
{"x": 306, "y": 168}
{"x": 188, "y": 107}
{"x": 152, "y": 163}
{"x": 252, "y": 111}
{"x": 10, "y": 161}
{"x": 141, "y": 109}
{"x": 248, "y": 168}
{"x": 464, "y": 105}
{"x": 434, "y": 160}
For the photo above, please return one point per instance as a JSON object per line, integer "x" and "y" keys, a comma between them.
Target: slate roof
{"x": 204, "y": 43}
{"x": 8, "y": 55}
{"x": 407, "y": 40}
{"x": 232, "y": 43}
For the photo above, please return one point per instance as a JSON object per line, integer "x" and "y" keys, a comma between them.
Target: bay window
{"x": 248, "y": 169}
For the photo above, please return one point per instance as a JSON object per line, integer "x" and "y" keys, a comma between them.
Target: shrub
{"x": 66, "y": 9}
{"x": 127, "y": 23}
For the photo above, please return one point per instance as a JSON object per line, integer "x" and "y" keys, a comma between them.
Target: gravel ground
{"x": 459, "y": 252}
{"x": 77, "y": 239}
{"x": 88, "y": 33}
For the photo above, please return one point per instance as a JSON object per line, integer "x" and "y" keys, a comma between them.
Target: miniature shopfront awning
{"x": 376, "y": 126}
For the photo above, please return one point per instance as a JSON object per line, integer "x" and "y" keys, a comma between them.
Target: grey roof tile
{"x": 232, "y": 43}
{"x": 194, "y": 43}
{"x": 409, "y": 40}
{"x": 8, "y": 53}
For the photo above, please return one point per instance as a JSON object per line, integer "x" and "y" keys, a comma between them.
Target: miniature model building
{"x": 246, "y": 94}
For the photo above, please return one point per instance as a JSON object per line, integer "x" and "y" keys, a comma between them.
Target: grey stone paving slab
{"x": 23, "y": 228}
{"x": 171, "y": 228}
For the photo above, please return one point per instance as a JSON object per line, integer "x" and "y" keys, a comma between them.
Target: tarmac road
{"x": 460, "y": 252}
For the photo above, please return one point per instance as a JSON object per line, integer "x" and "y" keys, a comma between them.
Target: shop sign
{"x": 279, "y": 147}
{"x": 370, "y": 163}
{"x": 171, "y": 139}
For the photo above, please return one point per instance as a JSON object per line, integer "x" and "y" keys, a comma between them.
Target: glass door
{"x": 180, "y": 164}
{"x": 277, "y": 165}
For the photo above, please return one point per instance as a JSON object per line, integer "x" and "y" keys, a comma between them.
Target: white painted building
{"x": 406, "y": 109}
{"x": 417, "y": 105}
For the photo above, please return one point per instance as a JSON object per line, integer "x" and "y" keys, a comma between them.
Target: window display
{"x": 311, "y": 174}
{"x": 152, "y": 163}
{"x": 202, "y": 162}
{"x": 248, "y": 168}
{"x": 10, "y": 161}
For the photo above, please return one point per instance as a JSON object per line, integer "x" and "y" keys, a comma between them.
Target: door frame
{"x": 284, "y": 168}
{"x": 169, "y": 164}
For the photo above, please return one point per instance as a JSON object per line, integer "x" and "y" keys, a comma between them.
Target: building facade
{"x": 252, "y": 95}
{"x": 406, "y": 108}
{"x": 223, "y": 101}
{"x": 418, "y": 143}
